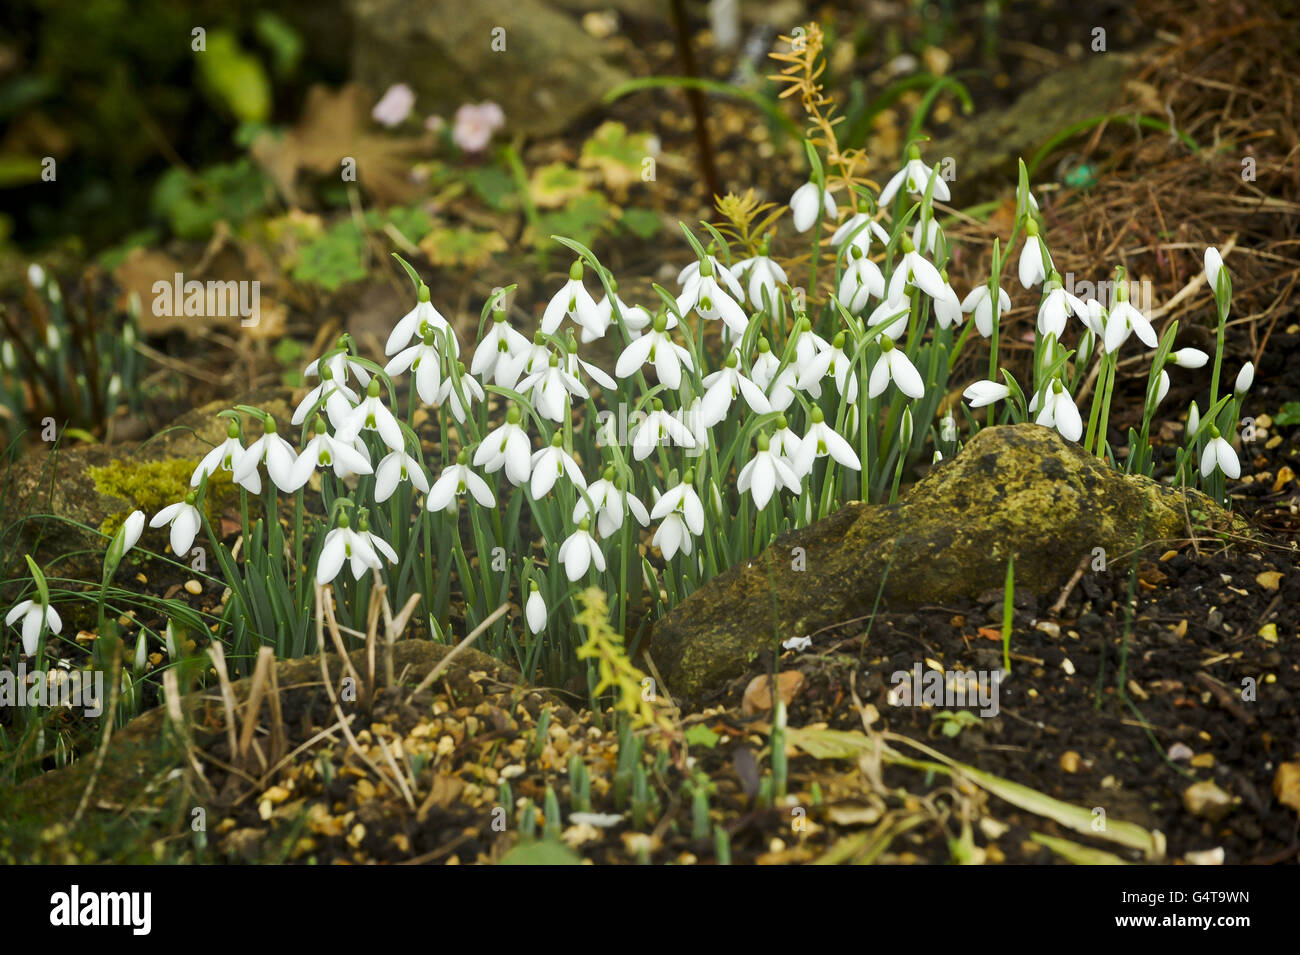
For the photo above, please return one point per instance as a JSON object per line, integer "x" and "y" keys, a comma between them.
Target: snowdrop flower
{"x": 917, "y": 271}
{"x": 225, "y": 457}
{"x": 551, "y": 389}
{"x": 723, "y": 387}
{"x": 703, "y": 294}
{"x": 765, "y": 365}
{"x": 394, "y": 107}
{"x": 1193, "y": 420}
{"x": 411, "y": 325}
{"x": 339, "y": 399}
{"x": 726, "y": 275}
{"x": 805, "y": 202}
{"x": 895, "y": 313}
{"x": 807, "y": 343}
{"x": 574, "y": 302}
{"x": 1219, "y": 454}
{"x": 426, "y": 361}
{"x": 785, "y": 442}
{"x": 1213, "y": 268}
{"x": 782, "y": 389}
{"x": 549, "y": 464}
{"x": 636, "y": 318}
{"x": 272, "y": 449}
{"x": 834, "y": 362}
{"x": 947, "y": 307}
{"x": 672, "y": 536}
{"x": 610, "y": 501}
{"x": 1095, "y": 320}
{"x": 454, "y": 482}
{"x": 394, "y": 468}
{"x": 1162, "y": 388}
{"x": 507, "y": 447}
{"x": 1059, "y": 412}
{"x": 340, "y": 362}
{"x": 915, "y": 176}
{"x": 797, "y": 643}
{"x": 859, "y": 229}
{"x": 894, "y": 366}
{"x": 659, "y": 426}
{"x": 766, "y": 473}
{"x": 682, "y": 515}
{"x": 185, "y": 521}
{"x": 326, "y": 451}
{"x": 530, "y": 357}
{"x": 655, "y": 347}
{"x": 983, "y": 393}
{"x": 371, "y": 415}
{"x": 1056, "y": 308}
{"x": 535, "y": 609}
{"x": 861, "y": 280}
{"x": 1031, "y": 268}
{"x": 1123, "y": 318}
{"x": 932, "y": 236}
{"x": 128, "y": 535}
{"x": 1189, "y": 358}
{"x": 573, "y": 364}
{"x": 819, "y": 441}
{"x": 472, "y": 390}
{"x": 494, "y": 352}
{"x": 34, "y": 616}
{"x": 376, "y": 543}
{"x": 344, "y": 544}
{"x": 1245, "y": 378}
{"x": 980, "y": 302}
{"x": 764, "y": 277}
{"x": 579, "y": 552}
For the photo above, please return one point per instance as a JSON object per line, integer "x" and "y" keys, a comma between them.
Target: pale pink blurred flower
{"x": 395, "y": 105}
{"x": 475, "y": 124}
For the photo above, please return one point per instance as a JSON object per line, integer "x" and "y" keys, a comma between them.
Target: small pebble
{"x": 194, "y": 587}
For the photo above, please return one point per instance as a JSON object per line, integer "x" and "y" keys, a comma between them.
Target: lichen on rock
{"x": 1014, "y": 489}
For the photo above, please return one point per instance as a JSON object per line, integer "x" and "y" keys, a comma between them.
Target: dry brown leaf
{"x": 758, "y": 695}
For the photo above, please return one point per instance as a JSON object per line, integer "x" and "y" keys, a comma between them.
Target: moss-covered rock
{"x": 66, "y": 497}
{"x": 1016, "y": 489}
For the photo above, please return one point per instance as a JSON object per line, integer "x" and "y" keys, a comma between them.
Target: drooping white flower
{"x": 343, "y": 544}
{"x": 1059, "y": 412}
{"x": 339, "y": 399}
{"x": 785, "y": 442}
{"x": 947, "y": 307}
{"x": 454, "y": 482}
{"x": 1245, "y": 378}
{"x": 858, "y": 229}
{"x": 807, "y": 343}
{"x": 530, "y": 357}
{"x": 225, "y": 456}
{"x": 1213, "y": 266}
{"x": 574, "y": 302}
{"x": 1123, "y": 319}
{"x": 272, "y": 449}
{"x": 469, "y": 386}
{"x": 34, "y": 617}
{"x": 340, "y": 362}
{"x": 982, "y": 393}
{"x": 507, "y": 447}
{"x": 411, "y": 326}
{"x": 185, "y": 522}
{"x": 371, "y": 415}
{"x": 636, "y": 318}
{"x": 819, "y": 441}
{"x": 659, "y": 427}
{"x": 672, "y": 535}
{"x": 807, "y": 201}
{"x": 1189, "y": 358}
{"x": 703, "y": 294}
{"x": 535, "y": 609}
{"x": 893, "y": 365}
{"x": 1056, "y": 308}
{"x": 575, "y": 367}
{"x": 861, "y": 280}
{"x": 323, "y": 450}
{"x": 915, "y": 178}
{"x": 495, "y": 351}
{"x": 1031, "y": 268}
{"x": 1219, "y": 454}
{"x": 682, "y": 514}
{"x": 425, "y": 358}
{"x": 655, "y": 348}
{"x": 550, "y": 464}
{"x": 765, "y": 276}
{"x": 980, "y": 302}
{"x": 396, "y": 467}
{"x": 765, "y": 473}
{"x": 895, "y": 314}
{"x": 377, "y": 544}
{"x": 832, "y": 361}
{"x": 765, "y": 365}
{"x": 579, "y": 552}
{"x": 1162, "y": 388}
{"x": 933, "y": 234}
{"x": 610, "y": 502}
{"x": 727, "y": 276}
{"x": 722, "y": 389}
{"x": 551, "y": 389}
{"x": 914, "y": 270}
{"x": 130, "y": 530}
